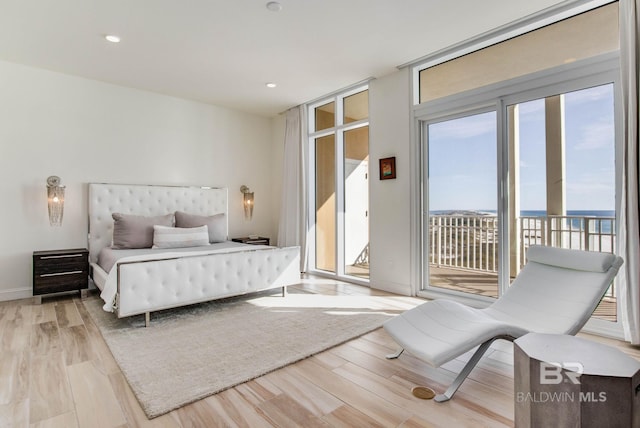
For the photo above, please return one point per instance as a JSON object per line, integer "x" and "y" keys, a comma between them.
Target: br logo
{"x": 552, "y": 373}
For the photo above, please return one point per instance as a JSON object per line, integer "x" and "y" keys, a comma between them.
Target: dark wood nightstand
{"x": 260, "y": 240}
{"x": 55, "y": 271}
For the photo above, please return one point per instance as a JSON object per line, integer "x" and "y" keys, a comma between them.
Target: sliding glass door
{"x": 534, "y": 171}
{"x": 562, "y": 186}
{"x": 461, "y": 220}
{"x": 356, "y": 202}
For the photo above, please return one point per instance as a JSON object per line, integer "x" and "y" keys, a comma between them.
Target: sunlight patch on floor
{"x": 354, "y": 302}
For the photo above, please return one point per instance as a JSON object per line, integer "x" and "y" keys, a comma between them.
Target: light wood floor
{"x": 56, "y": 371}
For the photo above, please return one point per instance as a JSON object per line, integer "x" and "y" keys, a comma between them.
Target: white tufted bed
{"x": 155, "y": 280}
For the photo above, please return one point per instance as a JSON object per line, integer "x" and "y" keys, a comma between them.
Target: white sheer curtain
{"x": 628, "y": 228}
{"x": 293, "y": 225}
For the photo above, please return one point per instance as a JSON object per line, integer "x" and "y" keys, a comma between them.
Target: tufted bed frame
{"x": 151, "y": 285}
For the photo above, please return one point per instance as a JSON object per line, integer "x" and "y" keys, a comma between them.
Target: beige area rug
{"x": 189, "y": 353}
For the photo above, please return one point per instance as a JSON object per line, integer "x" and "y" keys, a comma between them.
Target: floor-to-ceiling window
{"x": 518, "y": 142}
{"x": 339, "y": 154}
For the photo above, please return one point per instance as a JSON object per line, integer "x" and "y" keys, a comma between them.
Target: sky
{"x": 463, "y": 161}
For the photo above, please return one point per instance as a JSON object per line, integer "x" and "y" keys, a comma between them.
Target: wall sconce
{"x": 55, "y": 200}
{"x": 247, "y": 201}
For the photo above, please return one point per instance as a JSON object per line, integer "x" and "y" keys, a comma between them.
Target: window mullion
{"x": 340, "y": 202}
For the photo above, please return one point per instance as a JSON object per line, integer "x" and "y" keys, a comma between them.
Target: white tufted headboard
{"x": 105, "y": 199}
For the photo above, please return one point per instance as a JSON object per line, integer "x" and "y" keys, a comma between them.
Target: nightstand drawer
{"x": 60, "y": 263}
{"x": 55, "y": 283}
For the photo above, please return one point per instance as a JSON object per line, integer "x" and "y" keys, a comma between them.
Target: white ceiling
{"x": 223, "y": 52}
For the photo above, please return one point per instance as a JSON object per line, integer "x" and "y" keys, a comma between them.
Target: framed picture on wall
{"x": 387, "y": 168}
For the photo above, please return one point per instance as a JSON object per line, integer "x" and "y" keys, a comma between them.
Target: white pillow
{"x": 178, "y": 237}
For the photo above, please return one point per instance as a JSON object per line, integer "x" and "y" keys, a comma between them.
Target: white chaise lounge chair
{"x": 556, "y": 292}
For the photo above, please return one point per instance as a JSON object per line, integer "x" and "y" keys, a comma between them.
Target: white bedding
{"x": 108, "y": 256}
{"x": 110, "y": 288}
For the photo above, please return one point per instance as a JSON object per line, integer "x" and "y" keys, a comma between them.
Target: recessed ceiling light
{"x": 271, "y": 85}
{"x": 112, "y": 38}
{"x": 274, "y": 6}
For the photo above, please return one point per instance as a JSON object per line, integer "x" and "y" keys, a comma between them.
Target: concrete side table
{"x": 567, "y": 381}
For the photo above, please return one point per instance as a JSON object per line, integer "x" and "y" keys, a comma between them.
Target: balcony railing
{"x": 580, "y": 233}
{"x": 471, "y": 241}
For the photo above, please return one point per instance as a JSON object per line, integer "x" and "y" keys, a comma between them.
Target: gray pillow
{"x": 216, "y": 224}
{"x": 136, "y": 231}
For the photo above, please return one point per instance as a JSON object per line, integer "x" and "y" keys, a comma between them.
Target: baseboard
{"x": 26, "y": 293}
{"x": 16, "y": 294}
{"x": 392, "y": 287}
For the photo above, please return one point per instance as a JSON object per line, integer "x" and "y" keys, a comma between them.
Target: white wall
{"x": 390, "y": 203}
{"x": 87, "y": 131}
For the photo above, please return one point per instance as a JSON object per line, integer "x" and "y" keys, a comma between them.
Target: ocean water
{"x": 577, "y": 213}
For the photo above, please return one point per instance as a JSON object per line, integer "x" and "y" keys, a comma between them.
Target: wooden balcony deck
{"x": 486, "y": 284}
